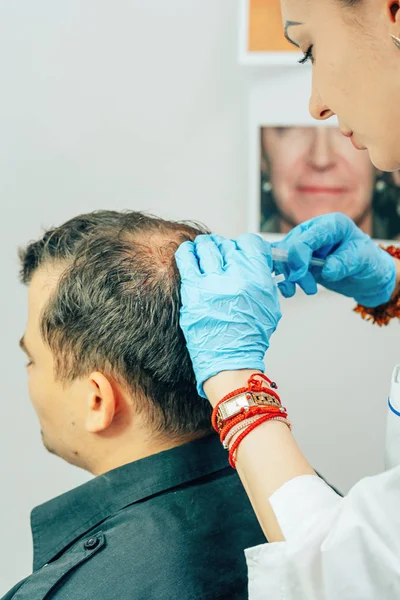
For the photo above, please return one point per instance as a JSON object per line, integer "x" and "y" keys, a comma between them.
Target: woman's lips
{"x": 350, "y": 135}
{"x": 356, "y": 146}
{"x": 321, "y": 189}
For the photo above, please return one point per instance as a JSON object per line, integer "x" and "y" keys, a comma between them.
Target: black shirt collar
{"x": 59, "y": 522}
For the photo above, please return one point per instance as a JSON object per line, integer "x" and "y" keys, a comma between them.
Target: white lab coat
{"x": 336, "y": 548}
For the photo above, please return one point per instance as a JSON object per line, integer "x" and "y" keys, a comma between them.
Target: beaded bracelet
{"x": 243, "y": 434}
{"x": 268, "y": 408}
{"x": 230, "y": 438}
{"x": 382, "y": 315}
{"x": 255, "y": 384}
{"x": 251, "y": 412}
{"x": 236, "y": 429}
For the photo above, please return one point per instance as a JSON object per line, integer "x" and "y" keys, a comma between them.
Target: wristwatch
{"x": 234, "y": 406}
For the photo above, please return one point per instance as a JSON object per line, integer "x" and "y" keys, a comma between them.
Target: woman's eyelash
{"x": 308, "y": 56}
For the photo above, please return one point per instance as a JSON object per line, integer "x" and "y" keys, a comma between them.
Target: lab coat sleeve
{"x": 392, "y": 448}
{"x": 336, "y": 548}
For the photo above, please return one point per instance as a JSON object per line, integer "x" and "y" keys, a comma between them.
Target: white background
{"x": 141, "y": 104}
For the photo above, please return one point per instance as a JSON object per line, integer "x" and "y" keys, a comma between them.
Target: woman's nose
{"x": 317, "y": 109}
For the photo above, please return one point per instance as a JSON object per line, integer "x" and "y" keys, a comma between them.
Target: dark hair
{"x": 116, "y": 309}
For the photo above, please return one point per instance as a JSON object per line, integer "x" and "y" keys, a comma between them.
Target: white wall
{"x": 141, "y": 104}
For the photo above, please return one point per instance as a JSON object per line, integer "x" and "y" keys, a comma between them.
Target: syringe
{"x": 281, "y": 255}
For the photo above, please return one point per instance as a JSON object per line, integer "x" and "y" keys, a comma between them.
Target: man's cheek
{"x": 34, "y": 397}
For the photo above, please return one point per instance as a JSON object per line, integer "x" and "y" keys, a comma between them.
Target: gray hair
{"x": 116, "y": 309}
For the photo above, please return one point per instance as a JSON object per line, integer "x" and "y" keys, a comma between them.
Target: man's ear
{"x": 102, "y": 403}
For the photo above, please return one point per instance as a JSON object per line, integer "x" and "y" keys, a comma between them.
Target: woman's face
{"x": 356, "y": 68}
{"x": 314, "y": 171}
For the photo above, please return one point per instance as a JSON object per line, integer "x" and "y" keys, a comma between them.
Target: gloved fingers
{"x": 229, "y": 251}
{"x": 208, "y": 254}
{"x": 186, "y": 260}
{"x": 299, "y": 255}
{"x": 347, "y": 261}
{"x": 299, "y": 259}
{"x": 338, "y": 267}
{"x": 315, "y": 240}
{"x": 287, "y": 288}
{"x": 306, "y": 281}
{"x": 319, "y": 236}
{"x": 308, "y": 284}
{"x": 253, "y": 246}
{"x": 218, "y": 239}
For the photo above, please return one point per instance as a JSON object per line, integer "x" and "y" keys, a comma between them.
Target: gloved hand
{"x": 355, "y": 265}
{"x": 230, "y": 305}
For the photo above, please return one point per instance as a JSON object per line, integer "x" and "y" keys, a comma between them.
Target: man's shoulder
{"x": 173, "y": 545}
{"x": 183, "y": 542}
{"x": 186, "y": 513}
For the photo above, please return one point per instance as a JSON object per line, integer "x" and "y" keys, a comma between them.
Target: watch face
{"x": 233, "y": 407}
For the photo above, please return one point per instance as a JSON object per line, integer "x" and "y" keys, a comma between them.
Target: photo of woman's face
{"x": 313, "y": 171}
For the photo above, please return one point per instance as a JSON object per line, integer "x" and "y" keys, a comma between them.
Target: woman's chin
{"x": 383, "y": 161}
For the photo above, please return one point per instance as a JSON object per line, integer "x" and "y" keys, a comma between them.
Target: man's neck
{"x": 114, "y": 456}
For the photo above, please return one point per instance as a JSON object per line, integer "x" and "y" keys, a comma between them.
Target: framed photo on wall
{"x": 301, "y": 168}
{"x": 309, "y": 171}
{"x": 261, "y": 37}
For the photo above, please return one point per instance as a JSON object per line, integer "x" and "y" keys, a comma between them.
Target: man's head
{"x": 108, "y": 368}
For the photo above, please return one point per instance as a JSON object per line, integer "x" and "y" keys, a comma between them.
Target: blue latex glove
{"x": 355, "y": 265}
{"x": 230, "y": 305}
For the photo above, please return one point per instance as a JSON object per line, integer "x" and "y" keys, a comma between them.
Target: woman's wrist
{"x": 266, "y": 458}
{"x": 225, "y": 382}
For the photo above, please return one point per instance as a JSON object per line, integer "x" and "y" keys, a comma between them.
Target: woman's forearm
{"x": 267, "y": 458}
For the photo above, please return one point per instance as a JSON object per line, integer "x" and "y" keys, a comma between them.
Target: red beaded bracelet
{"x": 255, "y": 384}
{"x": 251, "y": 412}
{"x": 273, "y": 409}
{"x": 250, "y": 428}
